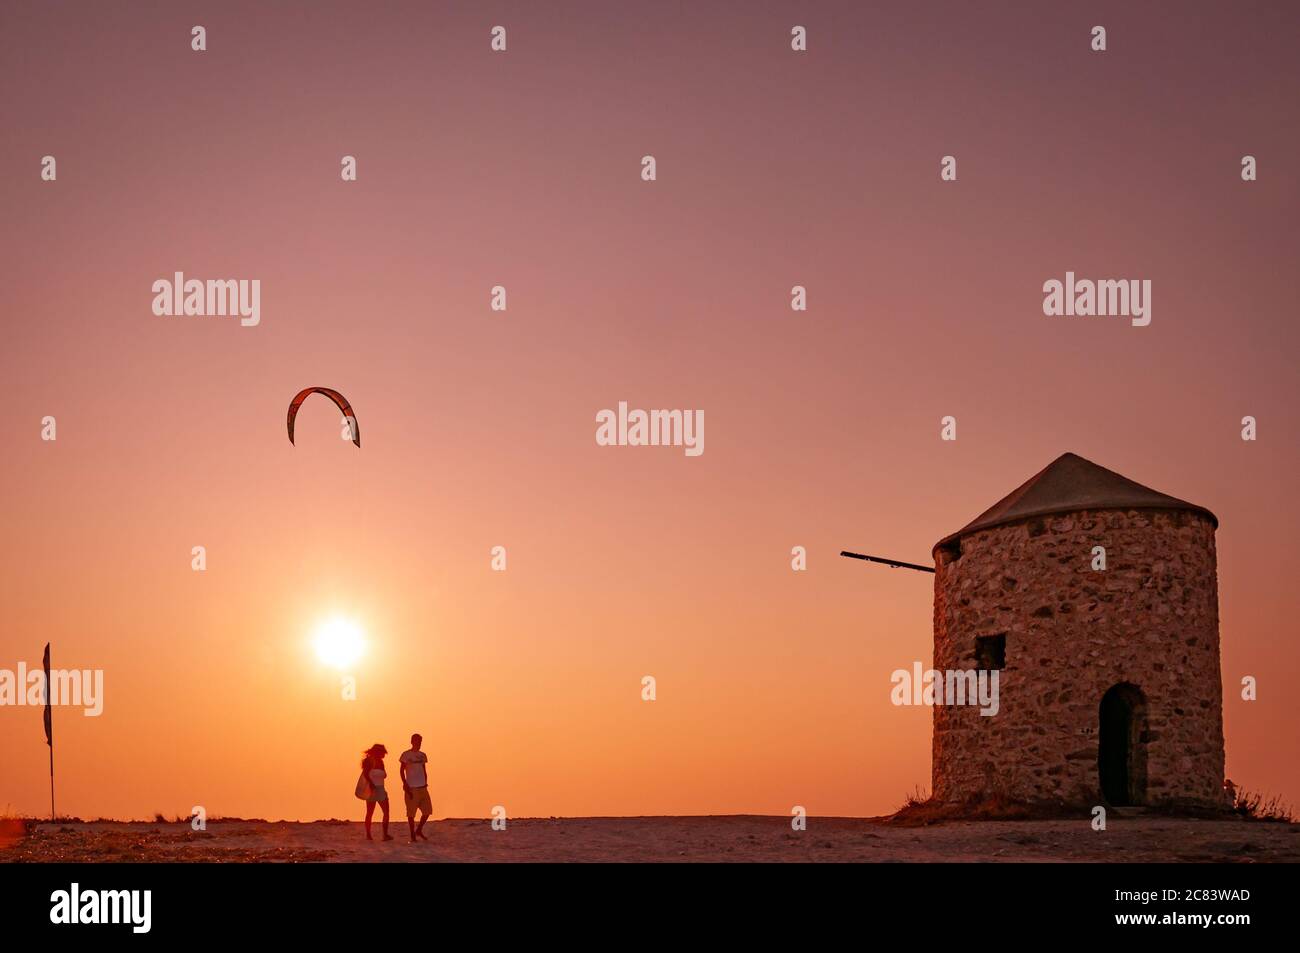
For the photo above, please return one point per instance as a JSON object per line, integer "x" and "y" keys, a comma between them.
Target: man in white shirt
{"x": 415, "y": 785}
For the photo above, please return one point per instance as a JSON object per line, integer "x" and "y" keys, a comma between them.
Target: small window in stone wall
{"x": 991, "y": 651}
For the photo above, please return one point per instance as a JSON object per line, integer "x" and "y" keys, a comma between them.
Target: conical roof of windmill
{"x": 1069, "y": 484}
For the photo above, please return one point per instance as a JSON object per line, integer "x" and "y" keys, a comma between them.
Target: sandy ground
{"x": 730, "y": 838}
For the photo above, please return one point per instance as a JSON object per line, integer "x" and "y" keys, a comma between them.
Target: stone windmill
{"x": 1096, "y": 598}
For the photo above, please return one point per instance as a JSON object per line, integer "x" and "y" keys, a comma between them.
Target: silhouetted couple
{"x": 415, "y": 787}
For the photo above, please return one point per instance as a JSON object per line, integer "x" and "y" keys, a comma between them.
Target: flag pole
{"x": 49, "y": 725}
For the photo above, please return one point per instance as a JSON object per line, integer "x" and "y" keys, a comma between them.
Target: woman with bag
{"x": 371, "y": 785}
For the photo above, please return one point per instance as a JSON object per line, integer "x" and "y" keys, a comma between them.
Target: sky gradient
{"x": 523, "y": 169}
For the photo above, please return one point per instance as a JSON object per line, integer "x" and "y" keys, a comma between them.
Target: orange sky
{"x": 478, "y": 427}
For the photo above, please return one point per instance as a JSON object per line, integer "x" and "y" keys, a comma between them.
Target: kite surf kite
{"x": 333, "y": 395}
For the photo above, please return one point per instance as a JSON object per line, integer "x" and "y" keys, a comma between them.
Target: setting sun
{"x": 338, "y": 642}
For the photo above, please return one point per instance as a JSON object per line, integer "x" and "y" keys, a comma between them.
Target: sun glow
{"x": 338, "y": 642}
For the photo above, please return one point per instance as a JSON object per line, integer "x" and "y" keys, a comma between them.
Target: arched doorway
{"x": 1121, "y": 752}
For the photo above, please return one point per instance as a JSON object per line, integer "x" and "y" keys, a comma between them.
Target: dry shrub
{"x": 1257, "y": 807}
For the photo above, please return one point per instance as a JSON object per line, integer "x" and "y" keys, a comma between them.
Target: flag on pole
{"x": 49, "y": 729}
{"x": 49, "y": 724}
